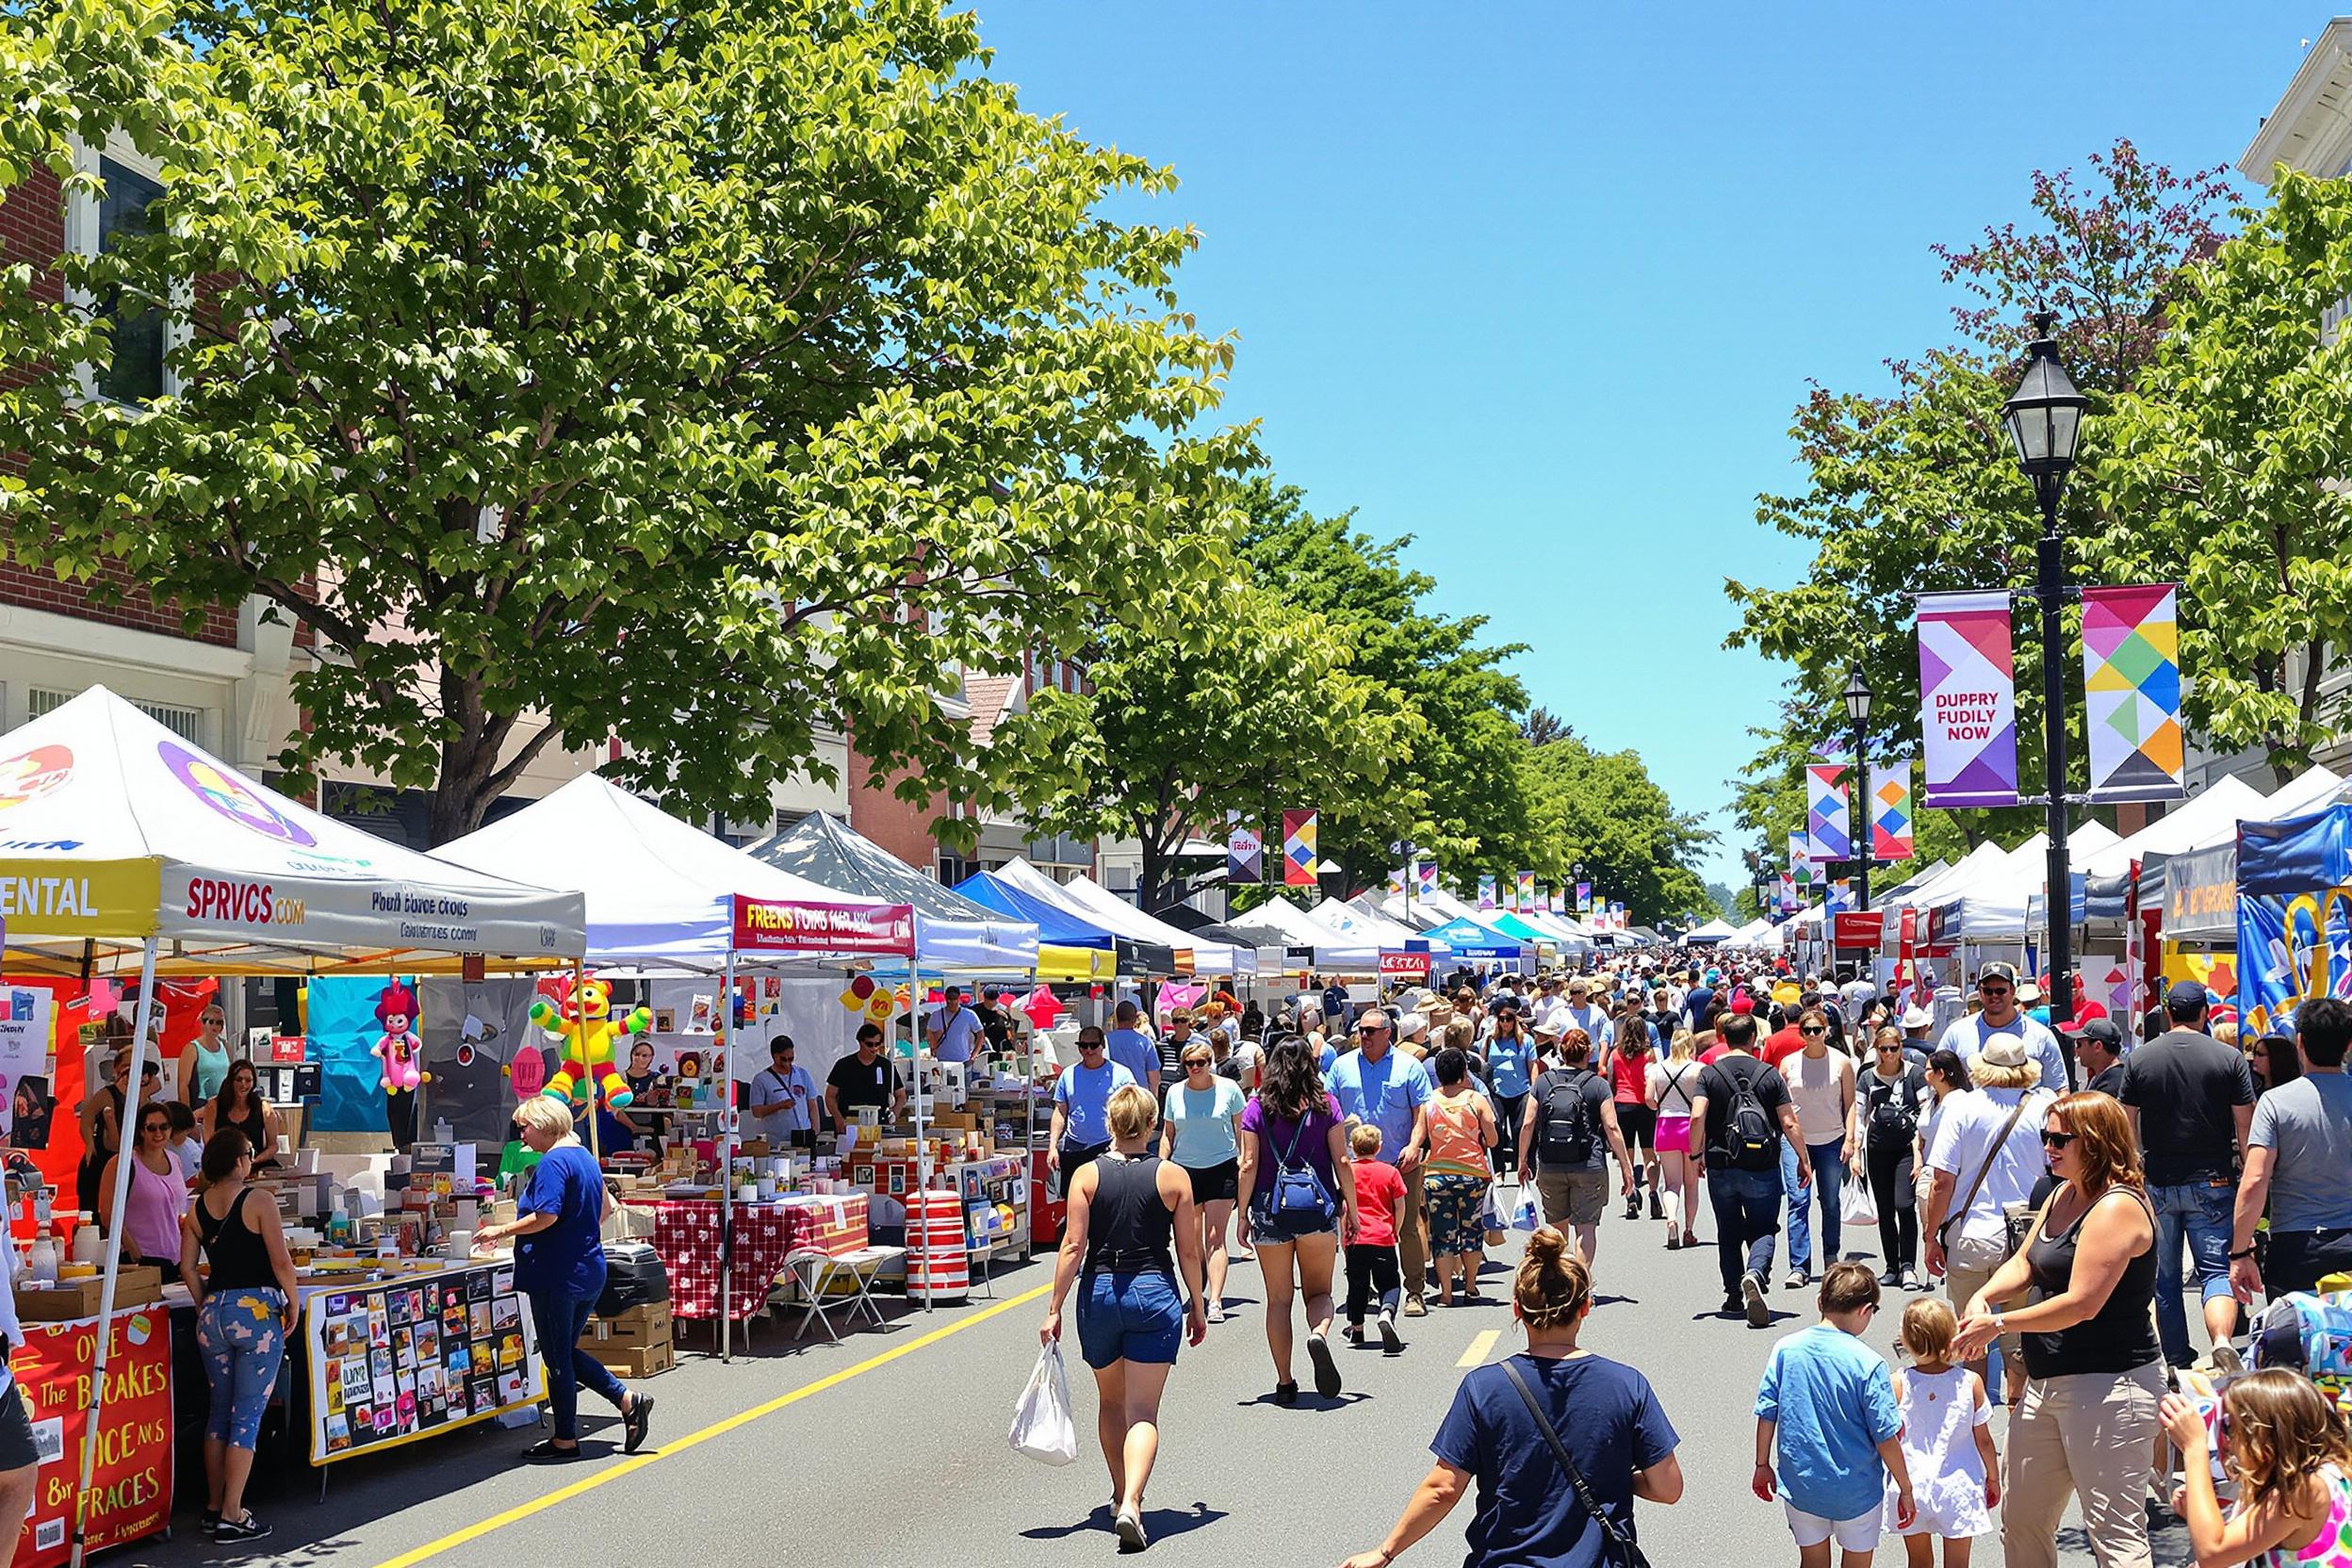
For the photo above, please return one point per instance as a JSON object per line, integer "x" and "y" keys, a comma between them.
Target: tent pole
{"x": 124, "y": 1153}
{"x": 922, "y": 1149}
{"x": 727, "y": 1165}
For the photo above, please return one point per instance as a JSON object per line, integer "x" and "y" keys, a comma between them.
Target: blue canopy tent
{"x": 1055, "y": 924}
{"x": 2295, "y": 914}
{"x": 1469, "y": 939}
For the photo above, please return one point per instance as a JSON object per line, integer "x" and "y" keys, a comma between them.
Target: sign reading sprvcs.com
{"x": 779, "y": 925}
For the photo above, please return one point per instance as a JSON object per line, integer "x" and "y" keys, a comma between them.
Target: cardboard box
{"x": 634, "y": 1361}
{"x": 645, "y": 1325}
{"x": 134, "y": 1287}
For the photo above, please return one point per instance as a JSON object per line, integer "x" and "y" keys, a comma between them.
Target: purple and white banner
{"x": 1968, "y": 699}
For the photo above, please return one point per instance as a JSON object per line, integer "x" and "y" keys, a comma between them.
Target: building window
{"x": 955, "y": 869}
{"x": 787, "y": 821}
{"x": 140, "y": 324}
{"x": 186, "y": 723}
{"x": 39, "y": 701}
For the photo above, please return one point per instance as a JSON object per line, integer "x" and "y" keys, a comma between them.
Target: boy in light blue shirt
{"x": 1829, "y": 1401}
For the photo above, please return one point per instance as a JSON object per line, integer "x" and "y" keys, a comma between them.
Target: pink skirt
{"x": 1673, "y": 1135}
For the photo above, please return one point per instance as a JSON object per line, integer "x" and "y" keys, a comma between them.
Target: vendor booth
{"x": 131, "y": 849}
{"x": 2294, "y": 915}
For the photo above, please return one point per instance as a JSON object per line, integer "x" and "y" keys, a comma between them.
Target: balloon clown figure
{"x": 398, "y": 1048}
{"x": 580, "y": 1021}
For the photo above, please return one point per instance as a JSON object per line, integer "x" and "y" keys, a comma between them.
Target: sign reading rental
{"x": 779, "y": 925}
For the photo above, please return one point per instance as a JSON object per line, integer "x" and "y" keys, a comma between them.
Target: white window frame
{"x": 81, "y": 239}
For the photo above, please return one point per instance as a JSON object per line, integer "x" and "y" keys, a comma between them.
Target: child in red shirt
{"x": 1372, "y": 1256}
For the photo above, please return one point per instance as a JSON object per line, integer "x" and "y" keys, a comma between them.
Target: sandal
{"x": 634, "y": 1421}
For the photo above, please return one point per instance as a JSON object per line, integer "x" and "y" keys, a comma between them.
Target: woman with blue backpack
{"x": 1300, "y": 1194}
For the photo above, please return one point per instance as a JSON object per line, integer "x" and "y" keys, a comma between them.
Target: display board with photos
{"x": 401, "y": 1359}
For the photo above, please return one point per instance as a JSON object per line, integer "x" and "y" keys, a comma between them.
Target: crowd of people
{"x": 2044, "y": 1200}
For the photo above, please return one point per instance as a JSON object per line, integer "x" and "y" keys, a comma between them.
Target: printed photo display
{"x": 392, "y": 1360}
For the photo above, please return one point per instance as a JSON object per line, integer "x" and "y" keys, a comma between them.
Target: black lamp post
{"x": 1858, "y": 696}
{"x": 2045, "y": 419}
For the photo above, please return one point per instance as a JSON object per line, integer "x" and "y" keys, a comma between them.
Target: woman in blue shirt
{"x": 559, "y": 1263}
{"x": 1528, "y": 1510}
{"x": 1204, "y": 1137}
{"x": 1510, "y": 1068}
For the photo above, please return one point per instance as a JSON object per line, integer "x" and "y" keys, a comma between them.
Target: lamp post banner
{"x": 1245, "y": 852}
{"x": 1526, "y": 892}
{"x": 1890, "y": 810}
{"x": 1826, "y": 834}
{"x": 1968, "y": 699}
{"x": 2131, "y": 692}
{"x": 1584, "y": 897}
{"x": 1298, "y": 854}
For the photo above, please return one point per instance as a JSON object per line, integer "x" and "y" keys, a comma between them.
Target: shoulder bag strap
{"x": 1991, "y": 1154}
{"x": 1621, "y": 1543}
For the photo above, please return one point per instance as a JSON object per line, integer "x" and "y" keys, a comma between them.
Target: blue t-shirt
{"x": 1132, "y": 1050}
{"x": 1527, "y": 1512}
{"x": 1508, "y": 1061}
{"x": 1384, "y": 1093}
{"x": 958, "y": 1035}
{"x": 1084, "y": 1095}
{"x": 1697, "y": 1004}
{"x": 567, "y": 1258}
{"x": 1203, "y": 1120}
{"x": 1325, "y": 1058}
{"x": 1835, "y": 1401}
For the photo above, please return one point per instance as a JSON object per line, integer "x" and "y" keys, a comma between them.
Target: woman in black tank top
{"x": 2083, "y": 1293}
{"x": 1125, "y": 1208}
{"x": 246, "y": 1306}
{"x": 239, "y": 1104}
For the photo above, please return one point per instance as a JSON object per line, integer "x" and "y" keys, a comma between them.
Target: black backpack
{"x": 1749, "y": 1131}
{"x": 1894, "y": 1107}
{"x": 1566, "y": 1136}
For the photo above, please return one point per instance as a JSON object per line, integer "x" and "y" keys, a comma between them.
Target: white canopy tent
{"x": 1107, "y": 908}
{"x": 1284, "y": 922}
{"x": 1712, "y": 932}
{"x": 2207, "y": 817}
{"x": 1354, "y": 922}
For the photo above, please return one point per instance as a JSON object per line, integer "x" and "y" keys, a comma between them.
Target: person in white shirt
{"x": 1581, "y": 1012}
{"x": 1987, "y": 1154}
{"x": 1997, "y": 985}
{"x": 954, "y": 1032}
{"x": 783, "y": 1100}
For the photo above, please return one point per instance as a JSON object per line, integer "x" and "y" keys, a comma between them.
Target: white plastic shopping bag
{"x": 1856, "y": 1206}
{"x": 1525, "y": 1217}
{"x": 1041, "y": 1425}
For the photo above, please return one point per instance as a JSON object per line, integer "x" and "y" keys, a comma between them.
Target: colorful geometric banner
{"x": 1527, "y": 891}
{"x": 1617, "y": 920}
{"x": 1800, "y": 859}
{"x": 1826, "y": 833}
{"x": 1790, "y": 902}
{"x": 1559, "y": 904}
{"x": 1425, "y": 878}
{"x": 1486, "y": 893}
{"x": 1396, "y": 881}
{"x": 1890, "y": 810}
{"x": 1298, "y": 849}
{"x": 1584, "y": 897}
{"x": 2131, "y": 691}
{"x": 2292, "y": 950}
{"x": 1245, "y": 852}
{"x": 1841, "y": 897}
{"x": 1968, "y": 699}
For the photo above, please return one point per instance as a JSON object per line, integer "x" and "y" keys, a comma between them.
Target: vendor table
{"x": 686, "y": 1235}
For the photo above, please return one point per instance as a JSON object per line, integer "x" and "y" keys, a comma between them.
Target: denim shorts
{"x": 1267, "y": 1227}
{"x": 1136, "y": 1317}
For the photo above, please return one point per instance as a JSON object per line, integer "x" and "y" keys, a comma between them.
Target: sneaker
{"x": 1658, "y": 1209}
{"x": 211, "y": 1520}
{"x": 1130, "y": 1536}
{"x": 1352, "y": 1333}
{"x": 1285, "y": 1393}
{"x": 1752, "y": 1297}
{"x": 1633, "y": 1205}
{"x": 636, "y": 1423}
{"x": 1911, "y": 1280}
{"x": 1325, "y": 1369}
{"x": 1391, "y": 1341}
{"x": 1798, "y": 1278}
{"x": 1892, "y": 1279}
{"x": 248, "y": 1528}
{"x": 1216, "y": 1312}
{"x": 1416, "y": 1307}
{"x": 2225, "y": 1359}
{"x": 1732, "y": 1306}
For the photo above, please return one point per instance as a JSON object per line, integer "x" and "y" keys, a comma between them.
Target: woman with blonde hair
{"x": 1544, "y": 1433}
{"x": 2082, "y": 1292}
{"x": 1126, "y": 1207}
{"x": 1673, "y": 1084}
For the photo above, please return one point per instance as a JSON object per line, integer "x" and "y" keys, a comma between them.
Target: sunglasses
{"x": 1994, "y": 991}
{"x": 2058, "y": 1140}
{"x": 1371, "y": 1028}
{"x": 1091, "y": 1045}
{"x": 155, "y": 1126}
{"x": 1814, "y": 1029}
{"x": 1891, "y": 1045}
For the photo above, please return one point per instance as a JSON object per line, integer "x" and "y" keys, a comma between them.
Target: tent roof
{"x": 1713, "y": 931}
{"x": 2209, "y": 817}
{"x": 115, "y": 829}
{"x": 1293, "y": 927}
{"x": 1468, "y": 938}
{"x": 1055, "y": 923}
{"x": 950, "y": 930}
{"x": 659, "y": 891}
{"x": 1089, "y": 897}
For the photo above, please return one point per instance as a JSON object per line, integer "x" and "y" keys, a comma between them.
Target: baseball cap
{"x": 1743, "y": 1002}
{"x": 2099, "y": 1029}
{"x": 2187, "y": 993}
{"x": 1998, "y": 970}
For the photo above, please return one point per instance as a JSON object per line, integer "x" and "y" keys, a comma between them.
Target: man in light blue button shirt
{"x": 1375, "y": 1083}
{"x": 1996, "y": 984}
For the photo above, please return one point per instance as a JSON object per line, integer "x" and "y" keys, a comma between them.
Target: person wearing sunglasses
{"x": 206, "y": 1061}
{"x": 1081, "y": 1128}
{"x": 2080, "y": 1293}
{"x": 158, "y": 1194}
{"x": 1998, "y": 1014}
{"x": 1377, "y": 1084}
{"x": 1821, "y": 1084}
{"x": 1201, "y": 1136}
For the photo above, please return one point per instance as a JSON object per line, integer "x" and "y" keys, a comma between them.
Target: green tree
{"x": 699, "y": 377}
{"x": 1170, "y": 736}
{"x": 1723, "y": 902}
{"x": 2229, "y": 455}
{"x": 1602, "y": 812}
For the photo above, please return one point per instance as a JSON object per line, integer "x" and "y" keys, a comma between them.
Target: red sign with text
{"x": 1859, "y": 927}
{"x": 1397, "y": 966}
{"x": 131, "y": 1485}
{"x": 782, "y": 926}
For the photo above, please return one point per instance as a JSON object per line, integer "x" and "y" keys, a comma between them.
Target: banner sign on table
{"x": 1298, "y": 849}
{"x": 1890, "y": 810}
{"x": 1245, "y": 852}
{"x": 1399, "y": 964}
{"x": 1486, "y": 893}
{"x": 1858, "y": 927}
{"x": 131, "y": 1485}
{"x": 2131, "y": 692}
{"x": 400, "y": 1359}
{"x": 1826, "y": 835}
{"x": 1968, "y": 699}
{"x": 782, "y": 926}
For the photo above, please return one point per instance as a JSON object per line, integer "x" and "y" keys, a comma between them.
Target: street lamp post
{"x": 2045, "y": 420}
{"x": 1859, "y": 696}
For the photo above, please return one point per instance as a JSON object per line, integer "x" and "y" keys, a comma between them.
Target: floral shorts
{"x": 241, "y": 1333}
{"x": 1457, "y": 1219}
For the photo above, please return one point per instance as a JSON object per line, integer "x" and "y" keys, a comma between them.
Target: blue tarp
{"x": 1469, "y": 939}
{"x": 2300, "y": 854}
{"x": 2295, "y": 914}
{"x": 343, "y": 1031}
{"x": 1055, "y": 925}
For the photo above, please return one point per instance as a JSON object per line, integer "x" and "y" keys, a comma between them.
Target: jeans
{"x": 1829, "y": 1169}
{"x": 242, "y": 1336}
{"x": 2300, "y": 1259}
{"x": 561, "y": 1318}
{"x": 2200, "y": 1213}
{"x": 1509, "y": 1111}
{"x": 1373, "y": 1281}
{"x": 1747, "y": 1217}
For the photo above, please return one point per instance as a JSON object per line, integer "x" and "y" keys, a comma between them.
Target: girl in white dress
{"x": 1947, "y": 1441}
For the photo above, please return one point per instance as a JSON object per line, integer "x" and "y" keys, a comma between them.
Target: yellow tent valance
{"x": 1074, "y": 963}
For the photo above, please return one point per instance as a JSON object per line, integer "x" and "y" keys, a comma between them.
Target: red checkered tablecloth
{"x": 686, "y": 1235}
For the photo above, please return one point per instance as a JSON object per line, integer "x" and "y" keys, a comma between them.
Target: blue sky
{"x": 1540, "y": 285}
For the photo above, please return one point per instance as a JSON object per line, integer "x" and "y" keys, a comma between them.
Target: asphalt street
{"x": 801, "y": 1448}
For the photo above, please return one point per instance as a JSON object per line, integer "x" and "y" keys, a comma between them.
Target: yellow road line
{"x": 717, "y": 1428}
{"x": 1475, "y": 1356}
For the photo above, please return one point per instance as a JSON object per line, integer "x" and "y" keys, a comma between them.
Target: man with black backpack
{"x": 1569, "y": 1131}
{"x": 1744, "y": 1108}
